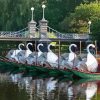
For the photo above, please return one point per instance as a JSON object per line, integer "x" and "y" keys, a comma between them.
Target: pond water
{"x": 16, "y": 87}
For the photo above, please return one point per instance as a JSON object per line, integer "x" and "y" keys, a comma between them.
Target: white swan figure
{"x": 39, "y": 51}
{"x": 91, "y": 90}
{"x": 51, "y": 57}
{"x": 18, "y": 50}
{"x": 91, "y": 62}
{"x": 22, "y": 56}
{"x": 15, "y": 52}
{"x": 41, "y": 56}
{"x": 33, "y": 56}
{"x": 28, "y": 51}
{"x": 72, "y": 58}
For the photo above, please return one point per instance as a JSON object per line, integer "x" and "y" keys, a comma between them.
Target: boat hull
{"x": 32, "y": 70}
{"x": 82, "y": 74}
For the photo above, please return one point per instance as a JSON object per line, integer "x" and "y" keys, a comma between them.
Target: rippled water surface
{"x": 16, "y": 87}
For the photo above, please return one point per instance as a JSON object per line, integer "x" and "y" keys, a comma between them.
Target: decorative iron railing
{"x": 67, "y": 35}
{"x": 52, "y": 33}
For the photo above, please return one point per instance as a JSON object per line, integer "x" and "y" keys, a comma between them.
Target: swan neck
{"x": 19, "y": 46}
{"x": 70, "y": 50}
{"x": 49, "y": 48}
{"x": 27, "y": 46}
{"x": 38, "y": 47}
{"x": 88, "y": 49}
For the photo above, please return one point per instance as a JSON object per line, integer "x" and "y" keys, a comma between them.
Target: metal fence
{"x": 52, "y": 33}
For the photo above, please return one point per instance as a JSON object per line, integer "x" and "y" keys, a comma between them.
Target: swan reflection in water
{"x": 91, "y": 90}
{"x": 87, "y": 90}
{"x": 50, "y": 89}
{"x": 38, "y": 88}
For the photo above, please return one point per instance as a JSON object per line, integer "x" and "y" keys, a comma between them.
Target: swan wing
{"x": 9, "y": 54}
{"x": 39, "y": 53}
{"x": 27, "y": 53}
{"x": 91, "y": 63}
{"x": 71, "y": 56}
{"x": 51, "y": 57}
{"x": 15, "y": 53}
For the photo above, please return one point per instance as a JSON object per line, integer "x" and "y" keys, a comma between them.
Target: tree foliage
{"x": 95, "y": 29}
{"x": 15, "y": 14}
{"x": 78, "y": 21}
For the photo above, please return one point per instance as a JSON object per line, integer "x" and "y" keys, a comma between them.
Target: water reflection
{"x": 16, "y": 87}
{"x": 91, "y": 90}
{"x": 83, "y": 90}
{"x": 9, "y": 90}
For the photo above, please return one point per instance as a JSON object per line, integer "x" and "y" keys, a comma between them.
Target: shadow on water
{"x": 16, "y": 87}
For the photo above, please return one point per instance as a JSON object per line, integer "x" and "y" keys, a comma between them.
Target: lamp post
{"x": 43, "y": 6}
{"x": 89, "y": 23}
{"x": 32, "y": 26}
{"x": 32, "y": 9}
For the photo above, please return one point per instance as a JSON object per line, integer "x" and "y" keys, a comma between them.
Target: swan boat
{"x": 35, "y": 69}
{"x": 31, "y": 70}
{"x": 91, "y": 65}
{"x": 14, "y": 67}
{"x": 86, "y": 75}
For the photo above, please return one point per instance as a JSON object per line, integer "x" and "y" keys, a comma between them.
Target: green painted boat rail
{"x": 85, "y": 75}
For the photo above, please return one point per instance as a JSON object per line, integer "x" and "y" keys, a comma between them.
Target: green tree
{"x": 78, "y": 21}
{"x": 15, "y": 14}
{"x": 95, "y": 29}
{"x": 57, "y": 10}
